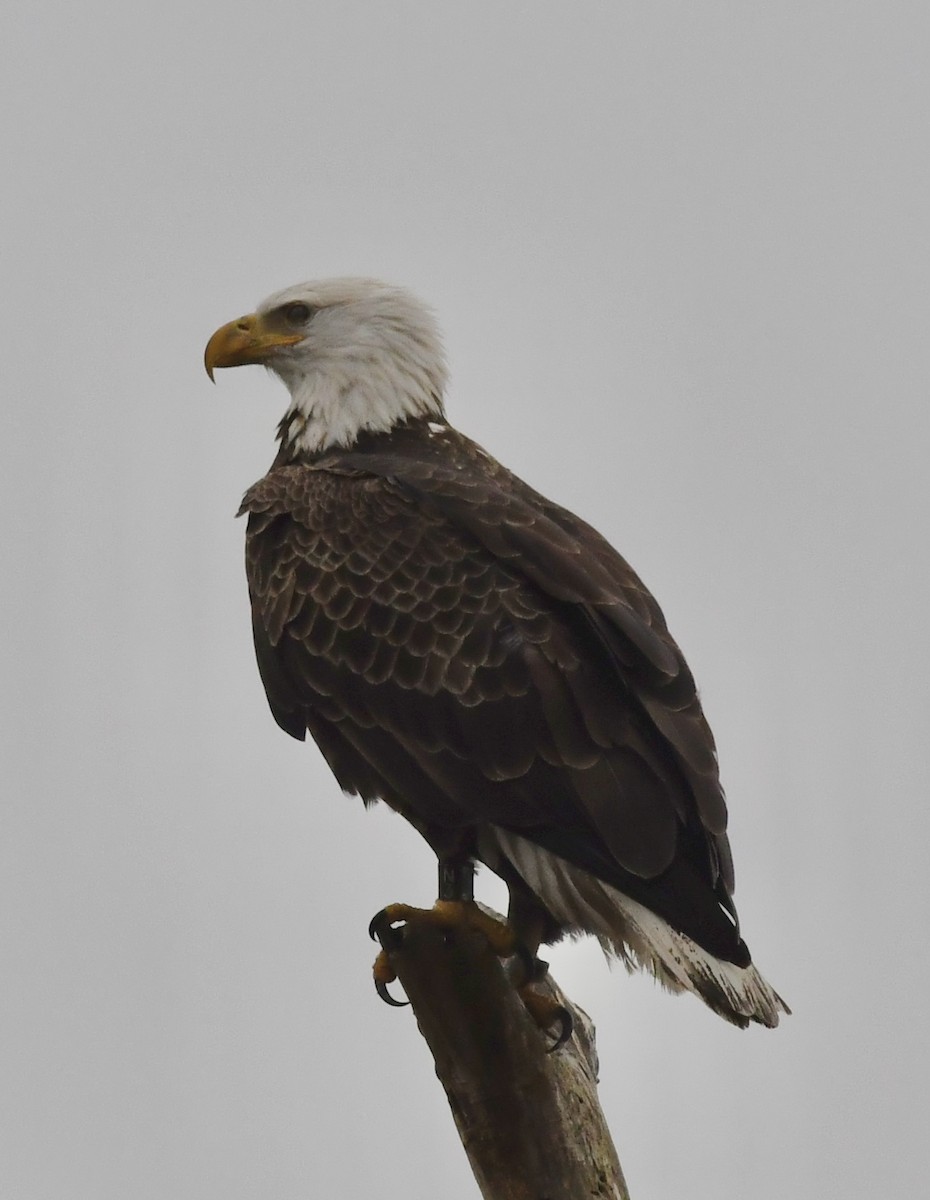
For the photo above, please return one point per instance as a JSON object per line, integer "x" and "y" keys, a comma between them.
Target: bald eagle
{"x": 477, "y": 657}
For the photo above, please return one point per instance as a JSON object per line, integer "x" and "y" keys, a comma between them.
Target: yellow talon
{"x": 382, "y": 969}
{"x": 465, "y": 914}
{"x": 452, "y": 914}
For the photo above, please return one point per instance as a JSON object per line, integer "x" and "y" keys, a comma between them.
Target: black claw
{"x": 381, "y": 989}
{"x": 381, "y": 930}
{"x": 566, "y": 1025}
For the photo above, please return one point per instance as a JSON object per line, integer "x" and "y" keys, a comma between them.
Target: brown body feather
{"x": 478, "y": 657}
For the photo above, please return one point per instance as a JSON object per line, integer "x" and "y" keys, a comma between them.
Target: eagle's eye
{"x": 298, "y": 313}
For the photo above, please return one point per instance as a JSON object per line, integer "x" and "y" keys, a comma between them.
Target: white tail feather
{"x": 631, "y": 932}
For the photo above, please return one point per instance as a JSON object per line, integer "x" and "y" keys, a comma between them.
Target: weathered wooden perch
{"x": 530, "y": 1121}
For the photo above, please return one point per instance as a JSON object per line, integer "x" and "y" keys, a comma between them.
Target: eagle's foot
{"x": 387, "y": 925}
{"x": 387, "y": 928}
{"x": 384, "y": 974}
{"x": 551, "y": 1017}
{"x": 380, "y": 929}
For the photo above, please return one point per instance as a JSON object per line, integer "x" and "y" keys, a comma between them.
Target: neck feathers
{"x": 326, "y": 412}
{"x": 366, "y": 365}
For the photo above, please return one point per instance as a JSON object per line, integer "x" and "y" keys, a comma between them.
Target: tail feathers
{"x": 738, "y": 994}
{"x": 638, "y": 937}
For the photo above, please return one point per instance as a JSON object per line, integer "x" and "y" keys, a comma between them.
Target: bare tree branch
{"x": 530, "y": 1121}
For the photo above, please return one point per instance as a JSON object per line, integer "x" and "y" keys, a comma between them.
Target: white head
{"x": 356, "y": 355}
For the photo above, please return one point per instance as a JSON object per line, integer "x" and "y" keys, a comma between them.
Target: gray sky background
{"x": 679, "y": 252}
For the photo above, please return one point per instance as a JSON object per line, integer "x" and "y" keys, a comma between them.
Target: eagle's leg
{"x": 456, "y": 879}
{"x": 456, "y": 909}
{"x": 532, "y": 925}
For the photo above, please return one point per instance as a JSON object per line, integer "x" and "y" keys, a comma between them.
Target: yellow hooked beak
{"x": 250, "y": 339}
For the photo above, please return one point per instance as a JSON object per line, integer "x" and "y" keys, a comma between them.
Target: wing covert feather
{"x": 428, "y": 609}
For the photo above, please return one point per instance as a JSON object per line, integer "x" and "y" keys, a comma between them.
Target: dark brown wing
{"x": 571, "y": 562}
{"x": 472, "y": 654}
